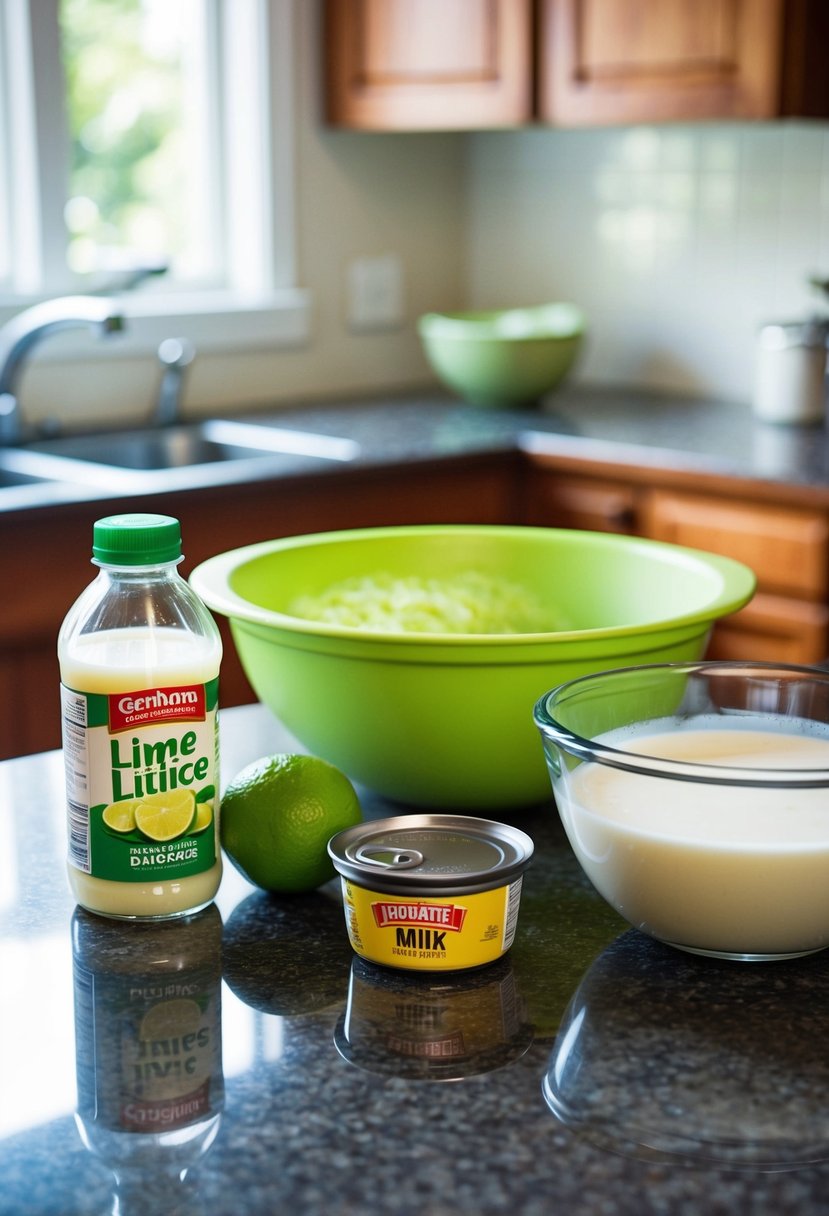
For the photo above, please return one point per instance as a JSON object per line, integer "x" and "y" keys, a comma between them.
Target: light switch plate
{"x": 375, "y": 293}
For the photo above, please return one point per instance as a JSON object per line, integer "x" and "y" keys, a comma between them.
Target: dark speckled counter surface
{"x": 591, "y": 1071}
{"x": 621, "y": 425}
{"x": 616, "y": 425}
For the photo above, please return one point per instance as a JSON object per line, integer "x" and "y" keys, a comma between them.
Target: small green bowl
{"x": 446, "y": 719}
{"x": 505, "y": 357}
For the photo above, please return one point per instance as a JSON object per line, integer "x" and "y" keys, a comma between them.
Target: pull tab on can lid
{"x": 416, "y": 854}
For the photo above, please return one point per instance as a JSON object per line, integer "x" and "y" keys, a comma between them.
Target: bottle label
{"x": 436, "y": 934}
{"x": 141, "y": 779}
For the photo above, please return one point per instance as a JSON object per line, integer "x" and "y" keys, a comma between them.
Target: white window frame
{"x": 262, "y": 306}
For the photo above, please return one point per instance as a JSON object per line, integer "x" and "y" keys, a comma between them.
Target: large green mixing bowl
{"x": 444, "y": 719}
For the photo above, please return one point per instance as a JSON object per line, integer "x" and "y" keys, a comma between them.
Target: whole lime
{"x": 277, "y": 816}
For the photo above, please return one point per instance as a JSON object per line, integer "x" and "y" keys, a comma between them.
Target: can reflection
{"x": 432, "y": 1028}
{"x": 662, "y": 1057}
{"x": 148, "y": 1050}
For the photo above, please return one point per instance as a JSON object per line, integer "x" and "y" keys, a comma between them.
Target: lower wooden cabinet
{"x": 582, "y": 502}
{"x": 785, "y": 541}
{"x": 773, "y": 629}
{"x": 786, "y": 545}
{"x": 469, "y": 489}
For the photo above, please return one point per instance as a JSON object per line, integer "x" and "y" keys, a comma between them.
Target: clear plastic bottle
{"x": 149, "y": 1054}
{"x": 139, "y": 660}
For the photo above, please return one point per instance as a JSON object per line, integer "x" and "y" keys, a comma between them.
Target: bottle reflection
{"x": 665, "y": 1057}
{"x": 148, "y": 1052}
{"x": 436, "y": 1028}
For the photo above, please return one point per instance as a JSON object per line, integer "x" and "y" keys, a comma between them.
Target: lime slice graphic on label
{"x": 120, "y": 816}
{"x": 204, "y": 816}
{"x": 165, "y": 816}
{"x": 170, "y": 1019}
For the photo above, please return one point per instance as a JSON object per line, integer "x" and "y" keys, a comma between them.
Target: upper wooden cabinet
{"x": 628, "y": 61}
{"x": 398, "y": 65}
{"x": 466, "y": 64}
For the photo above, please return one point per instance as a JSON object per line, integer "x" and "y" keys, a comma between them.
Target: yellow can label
{"x": 435, "y": 934}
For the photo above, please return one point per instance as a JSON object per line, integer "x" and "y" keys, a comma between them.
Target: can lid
{"x": 416, "y": 852}
{"x": 137, "y": 539}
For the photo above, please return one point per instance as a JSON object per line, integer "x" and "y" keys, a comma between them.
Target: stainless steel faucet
{"x": 175, "y": 356}
{"x": 27, "y": 329}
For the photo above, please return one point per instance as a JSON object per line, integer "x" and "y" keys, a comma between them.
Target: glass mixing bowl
{"x": 696, "y": 799}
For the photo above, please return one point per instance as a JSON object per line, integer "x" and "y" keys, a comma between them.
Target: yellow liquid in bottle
{"x": 140, "y": 660}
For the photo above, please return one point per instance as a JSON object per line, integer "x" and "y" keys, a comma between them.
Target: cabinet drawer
{"x": 773, "y": 629}
{"x": 581, "y": 502}
{"x": 786, "y": 547}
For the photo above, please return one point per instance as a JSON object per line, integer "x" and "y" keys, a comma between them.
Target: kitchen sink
{"x": 22, "y": 486}
{"x": 176, "y": 448}
{"x": 160, "y": 459}
{"x": 183, "y": 447}
{"x": 10, "y": 479}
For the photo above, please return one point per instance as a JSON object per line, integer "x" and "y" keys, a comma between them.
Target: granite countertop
{"x": 594, "y": 423}
{"x": 621, "y": 426}
{"x": 589, "y": 1071}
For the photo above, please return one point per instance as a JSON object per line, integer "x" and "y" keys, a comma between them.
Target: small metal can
{"x": 431, "y": 892}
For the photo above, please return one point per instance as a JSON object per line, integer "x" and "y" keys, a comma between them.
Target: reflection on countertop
{"x": 433, "y": 1027}
{"x": 148, "y": 1051}
{"x": 344, "y": 1088}
{"x": 666, "y": 1056}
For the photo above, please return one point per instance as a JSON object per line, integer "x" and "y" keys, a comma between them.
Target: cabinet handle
{"x": 622, "y": 517}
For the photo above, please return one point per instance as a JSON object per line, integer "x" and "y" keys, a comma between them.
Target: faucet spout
{"x": 175, "y": 356}
{"x": 32, "y": 326}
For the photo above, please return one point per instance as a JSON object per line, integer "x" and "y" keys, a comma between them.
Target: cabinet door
{"x": 786, "y": 547}
{"x": 773, "y": 629}
{"x": 624, "y": 61}
{"x": 398, "y": 65}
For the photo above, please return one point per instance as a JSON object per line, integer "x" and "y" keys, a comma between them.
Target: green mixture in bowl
{"x": 469, "y": 602}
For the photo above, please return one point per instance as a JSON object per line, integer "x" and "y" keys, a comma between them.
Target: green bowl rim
{"x": 479, "y": 324}
{"x": 211, "y": 581}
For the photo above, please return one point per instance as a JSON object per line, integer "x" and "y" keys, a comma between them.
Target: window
{"x": 141, "y": 115}
{"x": 141, "y": 134}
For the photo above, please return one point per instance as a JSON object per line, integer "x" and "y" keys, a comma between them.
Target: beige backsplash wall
{"x": 677, "y": 241}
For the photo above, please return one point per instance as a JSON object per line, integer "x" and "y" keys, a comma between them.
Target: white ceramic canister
{"x": 790, "y": 376}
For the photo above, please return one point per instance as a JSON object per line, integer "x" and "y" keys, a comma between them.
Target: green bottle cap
{"x": 136, "y": 540}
